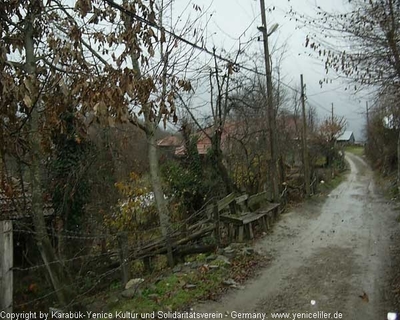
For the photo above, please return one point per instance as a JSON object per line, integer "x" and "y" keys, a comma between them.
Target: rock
{"x": 229, "y": 282}
{"x": 130, "y": 293}
{"x": 223, "y": 259}
{"x": 211, "y": 257}
{"x": 235, "y": 245}
{"x": 196, "y": 264}
{"x": 213, "y": 267}
{"x": 248, "y": 251}
{"x": 230, "y": 253}
{"x": 133, "y": 283}
{"x": 238, "y": 287}
{"x": 177, "y": 269}
{"x": 190, "y": 286}
{"x": 113, "y": 300}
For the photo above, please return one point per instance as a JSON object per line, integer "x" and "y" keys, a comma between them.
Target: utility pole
{"x": 306, "y": 164}
{"x": 332, "y": 114}
{"x": 270, "y": 108}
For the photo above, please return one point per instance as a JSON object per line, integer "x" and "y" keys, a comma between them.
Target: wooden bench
{"x": 243, "y": 223}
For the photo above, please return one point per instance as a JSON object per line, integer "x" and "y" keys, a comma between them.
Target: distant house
{"x": 347, "y": 137}
{"x": 169, "y": 144}
{"x": 230, "y": 130}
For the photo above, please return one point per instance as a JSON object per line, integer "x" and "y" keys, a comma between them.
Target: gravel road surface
{"x": 331, "y": 256}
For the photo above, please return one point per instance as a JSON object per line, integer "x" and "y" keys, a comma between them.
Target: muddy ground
{"x": 336, "y": 252}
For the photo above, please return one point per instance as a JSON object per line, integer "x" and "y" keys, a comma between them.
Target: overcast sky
{"x": 230, "y": 18}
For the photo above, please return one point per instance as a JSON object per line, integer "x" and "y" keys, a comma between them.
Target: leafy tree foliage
{"x": 68, "y": 169}
{"x": 56, "y": 59}
{"x": 186, "y": 180}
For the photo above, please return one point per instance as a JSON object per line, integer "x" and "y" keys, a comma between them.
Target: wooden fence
{"x": 6, "y": 264}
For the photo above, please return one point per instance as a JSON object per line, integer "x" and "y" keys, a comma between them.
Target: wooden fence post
{"x": 124, "y": 257}
{"x": 216, "y": 220}
{"x": 6, "y": 264}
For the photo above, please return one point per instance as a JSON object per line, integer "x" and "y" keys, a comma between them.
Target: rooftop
{"x": 16, "y": 205}
{"x": 345, "y": 136}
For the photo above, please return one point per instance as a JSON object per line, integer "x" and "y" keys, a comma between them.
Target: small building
{"x": 346, "y": 138}
{"x": 168, "y": 145}
{"x": 15, "y": 206}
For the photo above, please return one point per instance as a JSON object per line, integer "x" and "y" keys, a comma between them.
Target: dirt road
{"x": 331, "y": 252}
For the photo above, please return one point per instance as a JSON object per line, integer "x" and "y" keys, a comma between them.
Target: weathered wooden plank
{"x": 255, "y": 200}
{"x": 216, "y": 231}
{"x": 251, "y": 234}
{"x": 241, "y": 229}
{"x": 210, "y": 211}
{"x": 254, "y": 217}
{"x": 269, "y": 207}
{"x": 264, "y": 224}
{"x": 241, "y": 198}
{"x": 6, "y": 265}
{"x": 250, "y": 216}
{"x": 225, "y": 202}
{"x": 124, "y": 257}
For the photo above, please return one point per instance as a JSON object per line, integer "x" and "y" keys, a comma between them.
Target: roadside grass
{"x": 387, "y": 185}
{"x": 328, "y": 186}
{"x": 173, "y": 291}
{"x": 357, "y": 150}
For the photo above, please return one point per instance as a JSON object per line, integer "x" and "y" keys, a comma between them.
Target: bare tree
{"x": 368, "y": 54}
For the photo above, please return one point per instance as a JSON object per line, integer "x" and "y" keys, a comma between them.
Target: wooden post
{"x": 270, "y": 106}
{"x": 6, "y": 264}
{"x": 306, "y": 163}
{"x": 241, "y": 229}
{"x": 217, "y": 227}
{"x": 123, "y": 255}
{"x": 148, "y": 264}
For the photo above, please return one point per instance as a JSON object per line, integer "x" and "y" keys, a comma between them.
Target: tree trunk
{"x": 221, "y": 169}
{"x": 149, "y": 128}
{"x": 47, "y": 252}
{"x": 158, "y": 191}
{"x": 219, "y": 165}
{"x": 398, "y": 162}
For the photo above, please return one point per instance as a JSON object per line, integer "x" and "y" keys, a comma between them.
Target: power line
{"x": 319, "y": 106}
{"x": 190, "y": 43}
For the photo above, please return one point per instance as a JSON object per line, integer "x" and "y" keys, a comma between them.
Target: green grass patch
{"x": 333, "y": 183}
{"x": 320, "y": 162}
{"x": 178, "y": 291}
{"x": 172, "y": 293}
{"x": 357, "y": 150}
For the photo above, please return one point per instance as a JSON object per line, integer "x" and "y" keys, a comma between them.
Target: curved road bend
{"x": 330, "y": 252}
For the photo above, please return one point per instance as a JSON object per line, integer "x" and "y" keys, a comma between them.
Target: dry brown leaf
{"x": 364, "y": 297}
{"x": 28, "y": 101}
